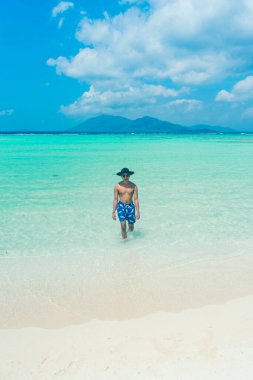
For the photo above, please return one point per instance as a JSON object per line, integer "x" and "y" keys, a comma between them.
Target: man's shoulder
{"x": 121, "y": 183}
{"x": 118, "y": 184}
{"x": 132, "y": 184}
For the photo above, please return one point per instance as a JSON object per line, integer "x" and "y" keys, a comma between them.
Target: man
{"x": 126, "y": 190}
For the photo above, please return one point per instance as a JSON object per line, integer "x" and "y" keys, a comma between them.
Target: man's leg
{"x": 130, "y": 226}
{"x": 131, "y": 217}
{"x": 123, "y": 229}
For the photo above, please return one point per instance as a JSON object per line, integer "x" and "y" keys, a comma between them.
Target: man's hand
{"x": 137, "y": 215}
{"x": 114, "y": 215}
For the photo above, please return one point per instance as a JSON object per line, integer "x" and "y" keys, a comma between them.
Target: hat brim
{"x": 120, "y": 173}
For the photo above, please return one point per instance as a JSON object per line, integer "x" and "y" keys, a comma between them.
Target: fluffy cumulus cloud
{"x": 241, "y": 91}
{"x": 6, "y": 112}
{"x": 164, "y": 46}
{"x": 96, "y": 101}
{"x": 61, "y": 7}
{"x": 186, "y": 105}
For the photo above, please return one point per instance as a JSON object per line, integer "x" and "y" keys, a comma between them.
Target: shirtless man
{"x": 125, "y": 207}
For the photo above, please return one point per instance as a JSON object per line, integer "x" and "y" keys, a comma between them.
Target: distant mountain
{"x": 118, "y": 124}
{"x": 103, "y": 124}
{"x": 213, "y": 128}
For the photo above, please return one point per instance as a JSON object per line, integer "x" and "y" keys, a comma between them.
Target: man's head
{"x": 125, "y": 173}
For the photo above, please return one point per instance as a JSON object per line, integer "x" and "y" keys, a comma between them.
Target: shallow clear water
{"x": 195, "y": 195}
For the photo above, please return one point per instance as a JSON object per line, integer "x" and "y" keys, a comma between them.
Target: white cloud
{"x": 97, "y": 101}
{"x": 241, "y": 91}
{"x": 60, "y": 22}
{"x": 187, "y": 105}
{"x": 171, "y": 43}
{"x": 146, "y": 45}
{"x": 243, "y": 21}
{"x": 224, "y": 95}
{"x": 6, "y": 112}
{"x": 63, "y": 6}
{"x": 244, "y": 87}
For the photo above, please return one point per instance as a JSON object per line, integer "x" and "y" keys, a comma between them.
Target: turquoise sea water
{"x": 195, "y": 195}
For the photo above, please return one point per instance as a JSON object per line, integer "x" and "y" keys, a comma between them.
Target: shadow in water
{"x": 138, "y": 234}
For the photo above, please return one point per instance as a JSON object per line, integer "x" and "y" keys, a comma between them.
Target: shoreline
{"x": 51, "y": 293}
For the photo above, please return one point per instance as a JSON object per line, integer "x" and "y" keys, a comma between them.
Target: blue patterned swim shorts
{"x": 126, "y": 212}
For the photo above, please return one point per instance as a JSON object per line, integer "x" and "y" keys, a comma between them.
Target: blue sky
{"x": 185, "y": 61}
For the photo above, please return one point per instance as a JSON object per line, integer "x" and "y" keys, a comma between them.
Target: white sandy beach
{"x": 196, "y": 323}
{"x": 211, "y": 342}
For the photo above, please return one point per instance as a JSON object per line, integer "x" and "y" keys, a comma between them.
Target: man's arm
{"x": 136, "y": 202}
{"x": 115, "y": 202}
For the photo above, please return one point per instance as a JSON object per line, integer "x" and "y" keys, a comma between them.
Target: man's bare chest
{"x": 125, "y": 190}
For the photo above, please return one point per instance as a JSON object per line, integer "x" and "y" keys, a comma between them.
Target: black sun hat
{"x": 125, "y": 171}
